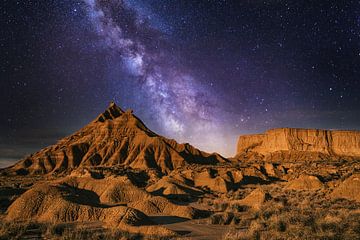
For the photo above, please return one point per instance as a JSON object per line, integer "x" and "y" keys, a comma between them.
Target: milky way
{"x": 201, "y": 72}
{"x": 184, "y": 107}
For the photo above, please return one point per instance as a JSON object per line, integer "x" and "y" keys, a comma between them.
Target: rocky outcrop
{"x": 159, "y": 205}
{"x": 114, "y": 138}
{"x": 169, "y": 186}
{"x": 60, "y": 203}
{"x": 349, "y": 189}
{"x": 287, "y": 143}
{"x": 305, "y": 182}
{"x": 84, "y": 199}
{"x": 255, "y": 199}
{"x": 214, "y": 183}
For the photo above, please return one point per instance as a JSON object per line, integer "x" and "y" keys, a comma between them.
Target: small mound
{"x": 169, "y": 186}
{"x": 60, "y": 203}
{"x": 349, "y": 189}
{"x": 253, "y": 175}
{"x": 216, "y": 184}
{"x": 161, "y": 206}
{"x": 236, "y": 175}
{"x": 111, "y": 190}
{"x": 255, "y": 199}
{"x": 229, "y": 174}
{"x": 305, "y": 182}
{"x": 272, "y": 171}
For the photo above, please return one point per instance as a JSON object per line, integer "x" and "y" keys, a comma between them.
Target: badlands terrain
{"x": 116, "y": 179}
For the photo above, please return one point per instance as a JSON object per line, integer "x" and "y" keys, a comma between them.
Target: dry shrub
{"x": 12, "y": 230}
{"x": 239, "y": 208}
{"x": 221, "y": 218}
{"x": 222, "y": 206}
{"x": 17, "y": 230}
{"x": 108, "y": 235}
{"x": 252, "y": 233}
{"x": 21, "y": 230}
{"x": 315, "y": 218}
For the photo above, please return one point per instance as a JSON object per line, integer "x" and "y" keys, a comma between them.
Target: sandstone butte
{"x": 295, "y": 143}
{"x": 115, "y": 137}
{"x": 118, "y": 173}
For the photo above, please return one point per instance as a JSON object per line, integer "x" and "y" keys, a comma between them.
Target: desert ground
{"x": 116, "y": 179}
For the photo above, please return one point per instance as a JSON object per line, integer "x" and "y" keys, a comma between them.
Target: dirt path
{"x": 198, "y": 231}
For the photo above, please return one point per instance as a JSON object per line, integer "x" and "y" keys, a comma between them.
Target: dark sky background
{"x": 202, "y": 72}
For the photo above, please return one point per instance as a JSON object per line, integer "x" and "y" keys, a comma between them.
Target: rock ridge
{"x": 114, "y": 138}
{"x": 297, "y": 140}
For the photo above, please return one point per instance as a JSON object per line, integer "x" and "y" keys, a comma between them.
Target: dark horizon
{"x": 199, "y": 72}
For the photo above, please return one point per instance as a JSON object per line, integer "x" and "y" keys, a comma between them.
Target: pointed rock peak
{"x": 112, "y": 112}
{"x": 129, "y": 111}
{"x": 112, "y": 105}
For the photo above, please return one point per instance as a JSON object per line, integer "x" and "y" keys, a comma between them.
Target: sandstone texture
{"x": 304, "y": 144}
{"x": 255, "y": 199}
{"x": 173, "y": 188}
{"x": 117, "y": 175}
{"x": 214, "y": 183}
{"x": 305, "y": 182}
{"x": 349, "y": 189}
{"x": 114, "y": 138}
{"x": 60, "y": 203}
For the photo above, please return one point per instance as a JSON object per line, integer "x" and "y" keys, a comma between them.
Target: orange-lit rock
{"x": 114, "y": 138}
{"x": 294, "y": 143}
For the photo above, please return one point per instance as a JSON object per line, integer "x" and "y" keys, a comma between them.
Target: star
{"x": 194, "y": 71}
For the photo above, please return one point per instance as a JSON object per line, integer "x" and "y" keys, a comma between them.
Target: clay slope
{"x": 60, "y": 203}
{"x": 299, "y": 144}
{"x": 84, "y": 199}
{"x": 114, "y": 138}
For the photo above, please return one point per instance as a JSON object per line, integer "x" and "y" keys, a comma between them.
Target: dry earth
{"x": 116, "y": 179}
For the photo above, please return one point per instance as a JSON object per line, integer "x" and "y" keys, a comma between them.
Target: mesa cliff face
{"x": 292, "y": 141}
{"x": 114, "y": 138}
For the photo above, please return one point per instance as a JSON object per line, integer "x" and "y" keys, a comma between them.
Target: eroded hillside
{"x": 116, "y": 179}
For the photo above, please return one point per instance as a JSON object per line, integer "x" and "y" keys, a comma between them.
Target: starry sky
{"x": 201, "y": 72}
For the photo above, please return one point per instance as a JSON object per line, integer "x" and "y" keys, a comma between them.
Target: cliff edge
{"x": 303, "y": 143}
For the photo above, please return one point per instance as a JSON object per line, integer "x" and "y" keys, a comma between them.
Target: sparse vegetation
{"x": 21, "y": 230}
{"x": 222, "y": 206}
{"x": 12, "y": 230}
{"x": 249, "y": 199}
{"x": 312, "y": 217}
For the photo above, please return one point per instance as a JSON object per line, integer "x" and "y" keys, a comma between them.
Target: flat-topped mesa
{"x": 114, "y": 138}
{"x": 294, "y": 141}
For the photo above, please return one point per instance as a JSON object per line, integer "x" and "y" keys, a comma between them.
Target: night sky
{"x": 201, "y": 72}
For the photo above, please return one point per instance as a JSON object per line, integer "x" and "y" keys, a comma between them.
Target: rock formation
{"x": 255, "y": 199}
{"x": 114, "y": 138}
{"x": 159, "y": 205}
{"x": 114, "y": 200}
{"x": 117, "y": 174}
{"x": 305, "y": 182}
{"x": 299, "y": 144}
{"x": 349, "y": 189}
{"x": 214, "y": 183}
{"x": 60, "y": 203}
{"x": 171, "y": 187}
